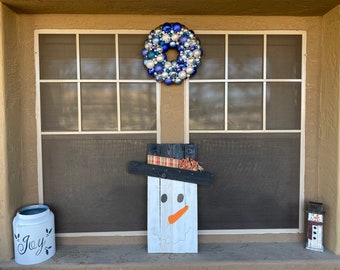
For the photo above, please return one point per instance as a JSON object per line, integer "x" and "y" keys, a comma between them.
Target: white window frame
{"x": 186, "y": 116}
{"x": 264, "y": 130}
{"x": 78, "y": 81}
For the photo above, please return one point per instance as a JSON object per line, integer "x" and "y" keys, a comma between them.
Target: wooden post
{"x": 172, "y": 114}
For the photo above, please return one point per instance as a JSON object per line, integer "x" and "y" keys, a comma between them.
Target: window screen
{"x": 87, "y": 185}
{"x": 247, "y": 127}
{"x": 98, "y": 112}
{"x": 256, "y": 184}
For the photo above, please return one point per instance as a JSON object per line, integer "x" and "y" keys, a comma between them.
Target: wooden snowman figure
{"x": 315, "y": 226}
{"x": 172, "y": 204}
{"x": 173, "y": 175}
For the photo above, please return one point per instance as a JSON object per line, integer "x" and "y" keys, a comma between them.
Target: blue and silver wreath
{"x": 172, "y": 36}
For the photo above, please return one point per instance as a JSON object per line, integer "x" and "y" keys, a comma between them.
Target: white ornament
{"x": 166, "y": 38}
{"x": 197, "y": 53}
{"x": 190, "y": 70}
{"x": 175, "y": 37}
{"x": 167, "y": 65}
{"x": 190, "y": 61}
{"x": 150, "y": 64}
{"x": 182, "y": 75}
{"x": 159, "y": 58}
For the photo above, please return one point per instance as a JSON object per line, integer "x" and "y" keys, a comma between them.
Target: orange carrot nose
{"x": 173, "y": 218}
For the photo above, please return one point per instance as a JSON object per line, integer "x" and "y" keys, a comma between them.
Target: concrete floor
{"x": 210, "y": 256}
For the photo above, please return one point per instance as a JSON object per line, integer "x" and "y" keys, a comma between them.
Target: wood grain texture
{"x": 181, "y": 236}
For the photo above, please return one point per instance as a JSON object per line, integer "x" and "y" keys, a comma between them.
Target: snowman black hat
{"x": 177, "y": 151}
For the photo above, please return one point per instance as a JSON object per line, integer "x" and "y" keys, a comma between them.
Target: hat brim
{"x": 194, "y": 177}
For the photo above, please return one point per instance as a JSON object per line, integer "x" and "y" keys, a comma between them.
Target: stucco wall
{"x": 29, "y": 23}
{"x": 10, "y": 130}
{"x": 329, "y": 142}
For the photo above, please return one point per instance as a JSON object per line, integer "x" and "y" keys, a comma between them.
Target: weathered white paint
{"x": 181, "y": 236}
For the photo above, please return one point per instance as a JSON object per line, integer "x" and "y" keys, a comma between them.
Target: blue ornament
{"x": 166, "y": 27}
{"x": 168, "y": 81}
{"x": 165, "y": 47}
{"x": 182, "y": 66}
{"x": 151, "y": 55}
{"x": 183, "y": 39}
{"x": 144, "y": 52}
{"x": 178, "y": 81}
{"x": 177, "y": 27}
{"x": 155, "y": 40}
{"x": 180, "y": 48}
{"x": 172, "y": 44}
{"x": 159, "y": 68}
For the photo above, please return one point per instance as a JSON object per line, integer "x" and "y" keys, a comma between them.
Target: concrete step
{"x": 214, "y": 256}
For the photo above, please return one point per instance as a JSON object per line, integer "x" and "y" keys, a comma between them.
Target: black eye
{"x": 164, "y": 198}
{"x": 180, "y": 198}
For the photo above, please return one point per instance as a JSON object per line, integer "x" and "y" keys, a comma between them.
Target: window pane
{"x": 213, "y": 60}
{"x": 284, "y": 56}
{"x": 59, "y": 106}
{"x": 99, "y": 106}
{"x": 87, "y": 185}
{"x": 57, "y": 57}
{"x": 97, "y": 56}
{"x": 256, "y": 180}
{"x": 283, "y": 105}
{"x": 138, "y": 106}
{"x": 245, "y": 106}
{"x": 130, "y": 57}
{"x": 245, "y": 57}
{"x": 206, "y": 106}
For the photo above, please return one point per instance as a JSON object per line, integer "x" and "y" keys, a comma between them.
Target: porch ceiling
{"x": 176, "y": 7}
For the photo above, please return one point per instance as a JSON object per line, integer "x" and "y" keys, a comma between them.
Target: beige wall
{"x": 171, "y": 96}
{"x": 329, "y": 141}
{"x": 10, "y": 130}
{"x": 28, "y": 23}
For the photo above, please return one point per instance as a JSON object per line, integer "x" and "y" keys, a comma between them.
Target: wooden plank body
{"x": 167, "y": 197}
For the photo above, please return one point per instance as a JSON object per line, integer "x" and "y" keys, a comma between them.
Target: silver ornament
{"x": 182, "y": 75}
{"x": 167, "y": 65}
{"x": 150, "y": 64}
{"x": 197, "y": 53}
{"x": 189, "y": 70}
{"x": 160, "y": 58}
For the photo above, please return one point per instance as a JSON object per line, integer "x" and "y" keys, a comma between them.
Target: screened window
{"x": 245, "y": 115}
{"x": 98, "y": 111}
